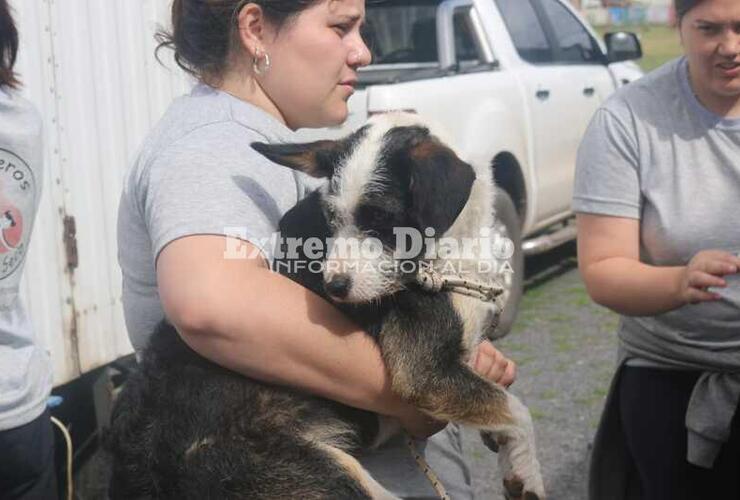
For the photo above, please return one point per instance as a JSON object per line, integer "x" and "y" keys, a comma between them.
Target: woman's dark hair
{"x": 8, "y": 47}
{"x": 684, "y": 6}
{"x": 204, "y": 32}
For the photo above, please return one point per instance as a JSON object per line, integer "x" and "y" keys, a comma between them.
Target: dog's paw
{"x": 515, "y": 489}
{"x": 523, "y": 482}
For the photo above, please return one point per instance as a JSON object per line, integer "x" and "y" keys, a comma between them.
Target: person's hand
{"x": 489, "y": 363}
{"x": 418, "y": 424}
{"x": 705, "y": 270}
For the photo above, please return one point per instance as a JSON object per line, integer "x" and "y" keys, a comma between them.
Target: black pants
{"x": 653, "y": 405}
{"x": 27, "y": 461}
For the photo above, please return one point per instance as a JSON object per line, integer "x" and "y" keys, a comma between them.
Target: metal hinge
{"x": 70, "y": 242}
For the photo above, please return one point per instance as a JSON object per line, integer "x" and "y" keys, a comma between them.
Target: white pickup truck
{"x": 515, "y": 82}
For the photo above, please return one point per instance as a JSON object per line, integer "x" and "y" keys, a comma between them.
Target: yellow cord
{"x": 427, "y": 470}
{"x": 68, "y": 440}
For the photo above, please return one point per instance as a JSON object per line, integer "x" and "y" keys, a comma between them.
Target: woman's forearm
{"x": 277, "y": 331}
{"x": 633, "y": 288}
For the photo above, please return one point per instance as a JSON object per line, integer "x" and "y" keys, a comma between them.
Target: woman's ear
{"x": 252, "y": 28}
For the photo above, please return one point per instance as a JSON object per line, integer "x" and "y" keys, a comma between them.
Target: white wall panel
{"x": 89, "y": 67}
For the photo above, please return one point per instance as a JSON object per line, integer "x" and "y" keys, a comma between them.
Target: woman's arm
{"x": 241, "y": 315}
{"x": 609, "y": 261}
{"x": 245, "y": 317}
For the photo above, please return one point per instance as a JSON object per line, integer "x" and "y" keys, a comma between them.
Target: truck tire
{"x": 507, "y": 224}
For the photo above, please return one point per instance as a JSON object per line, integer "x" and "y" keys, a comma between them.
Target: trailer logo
{"x": 17, "y": 203}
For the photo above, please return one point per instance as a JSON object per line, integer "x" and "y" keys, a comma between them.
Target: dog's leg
{"x": 517, "y": 458}
{"x": 503, "y": 420}
{"x": 431, "y": 375}
{"x": 358, "y": 473}
{"x": 465, "y": 398}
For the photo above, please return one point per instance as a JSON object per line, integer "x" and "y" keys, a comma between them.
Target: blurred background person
{"x": 26, "y": 436}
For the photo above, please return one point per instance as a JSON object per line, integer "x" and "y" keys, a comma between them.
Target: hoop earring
{"x": 261, "y": 65}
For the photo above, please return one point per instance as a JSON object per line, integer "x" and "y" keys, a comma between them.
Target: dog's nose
{"x": 338, "y": 287}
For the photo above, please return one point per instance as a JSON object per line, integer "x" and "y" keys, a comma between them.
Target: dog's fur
{"x": 186, "y": 428}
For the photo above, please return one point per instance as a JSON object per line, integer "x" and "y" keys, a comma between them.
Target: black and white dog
{"x": 185, "y": 428}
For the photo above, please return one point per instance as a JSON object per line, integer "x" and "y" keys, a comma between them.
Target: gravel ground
{"x": 565, "y": 348}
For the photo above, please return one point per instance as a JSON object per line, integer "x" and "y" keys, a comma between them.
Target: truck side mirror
{"x": 622, "y": 46}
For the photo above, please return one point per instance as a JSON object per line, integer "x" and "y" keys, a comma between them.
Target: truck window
{"x": 402, "y": 36}
{"x": 403, "y": 32}
{"x": 526, "y": 31}
{"x": 466, "y": 50}
{"x": 573, "y": 43}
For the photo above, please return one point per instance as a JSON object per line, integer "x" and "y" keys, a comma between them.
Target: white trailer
{"x": 89, "y": 67}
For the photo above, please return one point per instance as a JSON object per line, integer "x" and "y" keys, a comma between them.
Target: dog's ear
{"x": 440, "y": 185}
{"x": 317, "y": 159}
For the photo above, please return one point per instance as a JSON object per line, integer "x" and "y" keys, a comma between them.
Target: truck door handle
{"x": 589, "y": 91}
{"x": 543, "y": 94}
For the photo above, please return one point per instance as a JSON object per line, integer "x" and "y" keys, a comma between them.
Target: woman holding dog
{"x": 266, "y": 68}
{"x": 657, "y": 192}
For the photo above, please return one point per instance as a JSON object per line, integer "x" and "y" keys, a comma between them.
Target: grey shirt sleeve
{"x": 212, "y": 182}
{"x": 607, "y": 180}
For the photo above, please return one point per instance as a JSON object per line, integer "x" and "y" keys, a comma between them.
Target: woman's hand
{"x": 705, "y": 270}
{"x": 609, "y": 261}
{"x": 491, "y": 364}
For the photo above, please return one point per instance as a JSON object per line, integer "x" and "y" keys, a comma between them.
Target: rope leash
{"x": 68, "y": 440}
{"x": 432, "y": 281}
{"x": 427, "y": 470}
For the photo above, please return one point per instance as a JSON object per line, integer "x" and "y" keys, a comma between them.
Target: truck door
{"x": 552, "y": 110}
{"x": 587, "y": 83}
{"x": 563, "y": 75}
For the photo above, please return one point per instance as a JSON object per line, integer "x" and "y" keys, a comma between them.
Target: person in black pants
{"x": 657, "y": 177}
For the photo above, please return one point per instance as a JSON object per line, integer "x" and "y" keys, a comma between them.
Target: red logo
{"x": 11, "y": 227}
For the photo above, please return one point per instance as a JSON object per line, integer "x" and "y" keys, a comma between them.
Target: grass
{"x": 596, "y": 397}
{"x": 537, "y": 414}
{"x": 659, "y": 43}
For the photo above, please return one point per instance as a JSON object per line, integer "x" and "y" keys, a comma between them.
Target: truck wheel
{"x": 507, "y": 225}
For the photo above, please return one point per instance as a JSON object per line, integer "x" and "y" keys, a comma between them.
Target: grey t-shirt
{"x": 25, "y": 366}
{"x": 653, "y": 152}
{"x": 197, "y": 174}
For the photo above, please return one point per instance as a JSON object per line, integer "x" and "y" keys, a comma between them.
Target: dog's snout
{"x": 338, "y": 287}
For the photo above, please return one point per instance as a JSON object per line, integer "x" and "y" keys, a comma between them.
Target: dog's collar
{"x": 432, "y": 281}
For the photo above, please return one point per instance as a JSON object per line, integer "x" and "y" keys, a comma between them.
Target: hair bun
{"x": 203, "y": 31}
